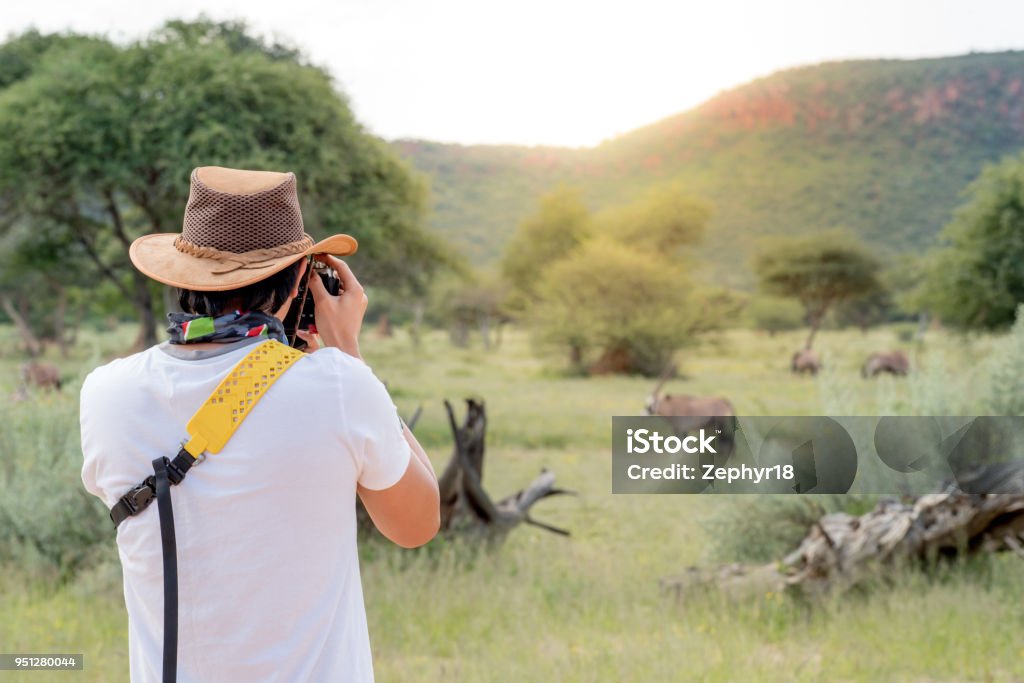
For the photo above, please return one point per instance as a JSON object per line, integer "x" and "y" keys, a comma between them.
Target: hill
{"x": 881, "y": 147}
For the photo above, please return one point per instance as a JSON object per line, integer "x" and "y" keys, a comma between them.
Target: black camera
{"x": 301, "y": 315}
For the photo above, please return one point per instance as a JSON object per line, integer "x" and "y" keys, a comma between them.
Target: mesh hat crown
{"x": 240, "y": 222}
{"x": 239, "y": 227}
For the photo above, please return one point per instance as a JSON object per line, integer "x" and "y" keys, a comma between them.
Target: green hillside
{"x": 882, "y": 147}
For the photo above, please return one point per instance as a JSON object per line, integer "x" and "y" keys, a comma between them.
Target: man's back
{"x": 269, "y": 585}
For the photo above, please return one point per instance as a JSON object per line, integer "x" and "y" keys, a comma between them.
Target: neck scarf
{"x": 186, "y": 328}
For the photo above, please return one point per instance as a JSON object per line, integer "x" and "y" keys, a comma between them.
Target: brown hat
{"x": 240, "y": 227}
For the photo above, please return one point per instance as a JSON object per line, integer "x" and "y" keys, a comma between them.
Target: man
{"x": 269, "y": 585}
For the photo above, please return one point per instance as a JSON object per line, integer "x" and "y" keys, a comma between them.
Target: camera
{"x": 301, "y": 315}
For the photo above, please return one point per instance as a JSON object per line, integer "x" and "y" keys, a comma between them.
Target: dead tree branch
{"x": 842, "y": 550}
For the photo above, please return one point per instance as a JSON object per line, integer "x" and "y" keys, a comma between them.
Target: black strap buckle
{"x": 133, "y": 502}
{"x": 181, "y": 464}
{"x": 139, "y": 498}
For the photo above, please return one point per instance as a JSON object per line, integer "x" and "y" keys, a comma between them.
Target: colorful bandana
{"x": 186, "y": 328}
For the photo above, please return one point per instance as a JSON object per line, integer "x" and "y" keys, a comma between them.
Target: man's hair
{"x": 266, "y": 295}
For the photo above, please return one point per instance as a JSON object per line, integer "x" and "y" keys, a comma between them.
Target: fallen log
{"x": 841, "y": 550}
{"x": 466, "y": 507}
{"x": 465, "y": 504}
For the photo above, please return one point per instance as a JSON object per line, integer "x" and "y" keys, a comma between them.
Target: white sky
{"x": 560, "y": 72}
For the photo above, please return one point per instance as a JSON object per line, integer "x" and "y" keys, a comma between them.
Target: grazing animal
{"x": 688, "y": 412}
{"x": 42, "y": 375}
{"x": 895, "y": 362}
{"x": 805, "y": 360}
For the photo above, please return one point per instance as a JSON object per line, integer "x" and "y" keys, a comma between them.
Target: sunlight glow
{"x": 561, "y": 73}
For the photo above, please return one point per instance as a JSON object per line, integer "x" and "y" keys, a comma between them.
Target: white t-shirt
{"x": 268, "y": 575}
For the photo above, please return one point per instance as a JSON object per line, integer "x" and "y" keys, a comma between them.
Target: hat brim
{"x": 156, "y": 257}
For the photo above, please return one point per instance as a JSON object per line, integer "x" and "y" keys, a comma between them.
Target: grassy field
{"x": 585, "y": 608}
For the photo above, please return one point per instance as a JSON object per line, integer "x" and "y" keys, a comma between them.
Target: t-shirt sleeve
{"x": 374, "y": 427}
{"x": 90, "y": 464}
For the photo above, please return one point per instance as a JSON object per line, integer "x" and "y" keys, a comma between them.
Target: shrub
{"x": 774, "y": 314}
{"x": 766, "y": 528}
{"x": 49, "y": 523}
{"x": 1006, "y": 372}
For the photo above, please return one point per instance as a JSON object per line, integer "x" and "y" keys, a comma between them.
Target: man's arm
{"x": 409, "y": 512}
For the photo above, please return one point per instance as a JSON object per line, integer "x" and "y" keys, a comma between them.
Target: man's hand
{"x": 339, "y": 318}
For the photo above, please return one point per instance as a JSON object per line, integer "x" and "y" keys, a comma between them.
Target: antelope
{"x": 895, "y": 362}
{"x": 687, "y": 412}
{"x": 805, "y": 360}
{"x": 42, "y": 375}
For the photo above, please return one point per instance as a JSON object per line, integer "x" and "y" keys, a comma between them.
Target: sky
{"x": 556, "y": 72}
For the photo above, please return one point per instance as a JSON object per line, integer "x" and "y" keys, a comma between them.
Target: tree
{"x": 819, "y": 270}
{"x": 560, "y": 225}
{"x": 99, "y": 140}
{"x": 865, "y": 310}
{"x": 975, "y": 278}
{"x": 613, "y": 285}
{"x": 470, "y": 301}
{"x": 34, "y": 264}
{"x": 774, "y": 314}
{"x": 20, "y": 55}
{"x": 628, "y": 306}
{"x": 664, "y": 221}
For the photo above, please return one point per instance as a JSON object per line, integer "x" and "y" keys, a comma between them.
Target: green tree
{"x": 560, "y": 224}
{"x": 34, "y": 264}
{"x": 20, "y": 54}
{"x": 665, "y": 220}
{"x": 774, "y": 314}
{"x": 614, "y": 288}
{"x": 818, "y": 270}
{"x": 99, "y": 140}
{"x": 470, "y": 301}
{"x": 865, "y": 310}
{"x": 620, "y": 303}
{"x": 975, "y": 278}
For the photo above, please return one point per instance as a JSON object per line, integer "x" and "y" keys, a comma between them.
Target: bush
{"x": 1006, "y": 372}
{"x": 633, "y": 307}
{"x": 766, "y": 528}
{"x": 49, "y": 523}
{"x": 774, "y": 314}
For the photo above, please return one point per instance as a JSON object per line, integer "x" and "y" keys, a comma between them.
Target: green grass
{"x": 589, "y": 608}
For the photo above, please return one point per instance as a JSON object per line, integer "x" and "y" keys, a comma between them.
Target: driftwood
{"x": 465, "y": 504}
{"x": 843, "y": 550}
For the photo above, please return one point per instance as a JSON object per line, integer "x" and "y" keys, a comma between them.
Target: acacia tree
{"x": 560, "y": 224}
{"x": 630, "y": 308}
{"x": 624, "y": 291}
{"x": 818, "y": 270}
{"x": 467, "y": 302}
{"x": 99, "y": 140}
{"x": 35, "y": 265}
{"x": 665, "y": 221}
{"x": 865, "y": 310}
{"x": 975, "y": 279}
{"x": 774, "y": 314}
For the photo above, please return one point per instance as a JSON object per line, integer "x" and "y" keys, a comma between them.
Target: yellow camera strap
{"x": 215, "y": 422}
{"x": 229, "y": 404}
